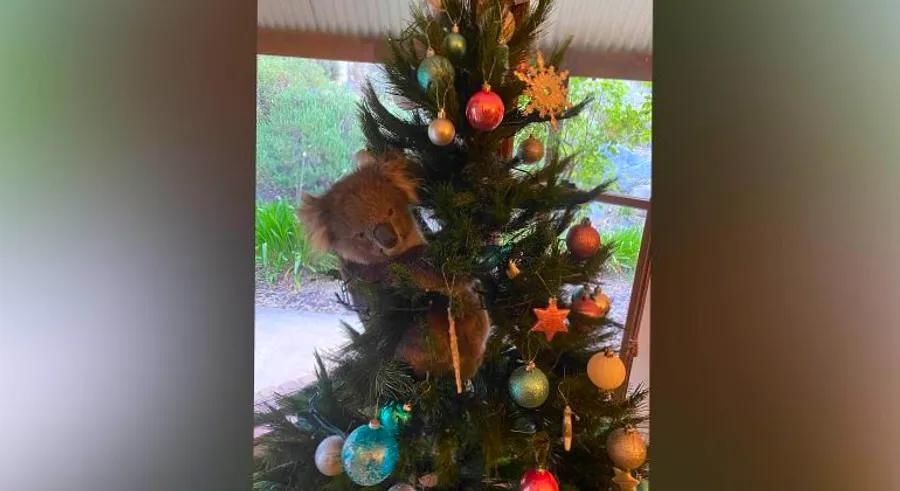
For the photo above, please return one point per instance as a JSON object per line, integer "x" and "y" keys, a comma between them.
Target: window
{"x": 307, "y": 135}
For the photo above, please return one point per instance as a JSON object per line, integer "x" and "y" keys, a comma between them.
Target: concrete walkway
{"x": 285, "y": 342}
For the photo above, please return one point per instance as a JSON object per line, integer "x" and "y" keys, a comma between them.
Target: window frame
{"x": 639, "y": 286}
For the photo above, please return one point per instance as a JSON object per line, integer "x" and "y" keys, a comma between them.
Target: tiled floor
{"x": 285, "y": 342}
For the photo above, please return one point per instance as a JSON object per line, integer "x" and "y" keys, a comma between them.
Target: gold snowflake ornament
{"x": 545, "y": 90}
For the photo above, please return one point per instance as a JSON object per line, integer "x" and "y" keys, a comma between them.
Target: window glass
{"x": 624, "y": 227}
{"x": 307, "y": 135}
{"x": 612, "y": 135}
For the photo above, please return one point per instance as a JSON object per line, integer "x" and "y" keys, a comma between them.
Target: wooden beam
{"x": 623, "y": 200}
{"x": 319, "y": 45}
{"x": 599, "y": 64}
{"x": 581, "y": 63}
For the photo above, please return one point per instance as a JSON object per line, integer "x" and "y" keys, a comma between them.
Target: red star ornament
{"x": 551, "y": 320}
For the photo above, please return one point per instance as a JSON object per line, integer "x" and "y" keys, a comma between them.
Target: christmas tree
{"x": 476, "y": 366}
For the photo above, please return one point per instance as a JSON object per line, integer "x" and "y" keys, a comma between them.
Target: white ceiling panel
{"x": 600, "y": 26}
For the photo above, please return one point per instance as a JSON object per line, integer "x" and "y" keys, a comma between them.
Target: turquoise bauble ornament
{"x": 528, "y": 386}
{"x": 370, "y": 454}
{"x": 394, "y": 415}
{"x": 455, "y": 44}
{"x": 434, "y": 69}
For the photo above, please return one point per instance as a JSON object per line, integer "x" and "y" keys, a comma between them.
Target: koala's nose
{"x": 385, "y": 235}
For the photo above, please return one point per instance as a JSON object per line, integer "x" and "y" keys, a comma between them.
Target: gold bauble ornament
{"x": 626, "y": 448}
{"x": 441, "y": 130}
{"x": 531, "y": 150}
{"x": 606, "y": 370}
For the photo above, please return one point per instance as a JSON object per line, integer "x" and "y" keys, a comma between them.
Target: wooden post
{"x": 635, "y": 307}
{"x": 519, "y": 9}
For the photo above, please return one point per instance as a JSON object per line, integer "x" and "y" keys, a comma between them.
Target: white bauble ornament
{"x": 328, "y": 456}
{"x": 606, "y": 370}
{"x": 402, "y": 486}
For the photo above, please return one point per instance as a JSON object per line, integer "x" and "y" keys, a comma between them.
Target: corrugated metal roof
{"x": 598, "y": 26}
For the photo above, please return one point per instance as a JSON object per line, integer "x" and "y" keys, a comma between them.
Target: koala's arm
{"x": 429, "y": 278}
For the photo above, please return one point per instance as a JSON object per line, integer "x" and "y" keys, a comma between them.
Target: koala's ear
{"x": 313, "y": 214}
{"x": 395, "y": 171}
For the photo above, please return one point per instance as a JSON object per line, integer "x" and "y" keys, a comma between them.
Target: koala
{"x": 366, "y": 219}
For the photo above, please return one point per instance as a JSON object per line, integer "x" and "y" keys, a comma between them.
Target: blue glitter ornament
{"x": 528, "y": 386}
{"x": 394, "y": 415}
{"x": 370, "y": 454}
{"x": 435, "y": 68}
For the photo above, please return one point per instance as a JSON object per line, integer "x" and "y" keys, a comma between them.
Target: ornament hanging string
{"x": 314, "y": 413}
{"x": 490, "y": 73}
{"x": 530, "y": 356}
{"x": 454, "y": 19}
{"x": 549, "y": 291}
{"x": 441, "y": 100}
{"x": 428, "y": 36}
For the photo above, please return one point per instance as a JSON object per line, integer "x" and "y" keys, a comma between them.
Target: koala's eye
{"x": 361, "y": 235}
{"x": 390, "y": 212}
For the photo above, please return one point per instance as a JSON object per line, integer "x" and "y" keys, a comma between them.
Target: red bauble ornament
{"x": 583, "y": 240}
{"x": 485, "y": 109}
{"x": 538, "y": 480}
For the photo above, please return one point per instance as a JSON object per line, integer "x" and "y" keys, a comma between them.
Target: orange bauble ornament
{"x": 583, "y": 240}
{"x": 485, "y": 110}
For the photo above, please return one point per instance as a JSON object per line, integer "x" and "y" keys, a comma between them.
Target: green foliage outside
{"x": 307, "y": 134}
{"x": 307, "y": 129}
{"x": 626, "y": 244}
{"x": 618, "y": 118}
{"x": 282, "y": 247}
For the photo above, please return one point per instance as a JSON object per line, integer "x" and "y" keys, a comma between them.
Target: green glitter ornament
{"x": 528, "y": 386}
{"x": 455, "y": 44}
